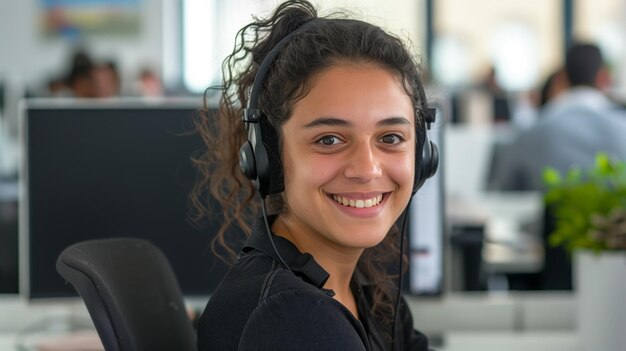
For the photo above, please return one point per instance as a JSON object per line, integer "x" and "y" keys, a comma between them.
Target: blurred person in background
{"x": 555, "y": 84}
{"x": 499, "y": 96}
{"x": 107, "y": 79}
{"x": 57, "y": 87}
{"x": 149, "y": 84}
{"x": 530, "y": 105}
{"x": 81, "y": 80}
{"x": 573, "y": 127}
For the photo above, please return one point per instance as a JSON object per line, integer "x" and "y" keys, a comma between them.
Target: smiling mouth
{"x": 360, "y": 203}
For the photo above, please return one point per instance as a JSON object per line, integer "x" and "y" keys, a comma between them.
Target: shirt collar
{"x": 302, "y": 264}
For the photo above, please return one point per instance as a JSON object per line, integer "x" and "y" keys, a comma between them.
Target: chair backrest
{"x": 557, "y": 266}
{"x": 131, "y": 293}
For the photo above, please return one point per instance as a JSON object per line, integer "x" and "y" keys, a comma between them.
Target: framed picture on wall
{"x": 80, "y": 18}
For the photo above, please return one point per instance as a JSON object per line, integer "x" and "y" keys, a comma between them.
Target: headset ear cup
{"x": 428, "y": 164}
{"x": 253, "y": 160}
{"x": 261, "y": 161}
{"x": 246, "y": 161}
{"x": 434, "y": 160}
{"x": 271, "y": 167}
{"x": 419, "y": 169}
{"x": 259, "y": 158}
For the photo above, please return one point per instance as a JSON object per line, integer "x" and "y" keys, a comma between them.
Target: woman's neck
{"x": 339, "y": 262}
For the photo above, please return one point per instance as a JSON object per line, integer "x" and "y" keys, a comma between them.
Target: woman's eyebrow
{"x": 334, "y": 121}
{"x": 393, "y": 121}
{"x": 328, "y": 121}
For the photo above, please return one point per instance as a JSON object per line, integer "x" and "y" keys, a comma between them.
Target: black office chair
{"x": 557, "y": 267}
{"x": 131, "y": 293}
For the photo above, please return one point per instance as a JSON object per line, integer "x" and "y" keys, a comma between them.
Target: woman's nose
{"x": 364, "y": 164}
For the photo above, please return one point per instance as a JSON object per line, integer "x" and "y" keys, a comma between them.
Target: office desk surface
{"x": 511, "y": 220}
{"x": 86, "y": 340}
{"x": 510, "y": 341}
{"x": 7, "y": 342}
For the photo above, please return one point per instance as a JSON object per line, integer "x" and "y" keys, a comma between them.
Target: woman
{"x": 340, "y": 113}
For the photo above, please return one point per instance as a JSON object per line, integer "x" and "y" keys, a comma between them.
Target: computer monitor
{"x": 1, "y": 98}
{"x": 119, "y": 168}
{"x": 426, "y": 224}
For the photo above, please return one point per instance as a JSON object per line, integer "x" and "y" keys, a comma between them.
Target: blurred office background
{"x": 484, "y": 63}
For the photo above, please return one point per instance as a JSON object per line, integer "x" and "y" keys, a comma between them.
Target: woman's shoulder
{"x": 301, "y": 319}
{"x": 250, "y": 290}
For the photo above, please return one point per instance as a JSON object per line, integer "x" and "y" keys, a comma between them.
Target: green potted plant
{"x": 589, "y": 206}
{"x": 589, "y": 209}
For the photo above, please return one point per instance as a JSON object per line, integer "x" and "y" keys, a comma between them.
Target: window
{"x": 521, "y": 39}
{"x": 209, "y": 30}
{"x": 515, "y": 56}
{"x": 199, "y": 58}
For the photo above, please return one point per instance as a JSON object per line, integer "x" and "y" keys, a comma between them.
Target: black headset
{"x": 259, "y": 157}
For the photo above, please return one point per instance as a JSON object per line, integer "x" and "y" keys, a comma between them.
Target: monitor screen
{"x": 111, "y": 169}
{"x": 426, "y": 227}
{"x": 1, "y": 99}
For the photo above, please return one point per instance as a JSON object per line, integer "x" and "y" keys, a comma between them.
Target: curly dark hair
{"x": 324, "y": 42}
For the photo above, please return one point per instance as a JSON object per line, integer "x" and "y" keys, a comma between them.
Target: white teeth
{"x": 359, "y": 203}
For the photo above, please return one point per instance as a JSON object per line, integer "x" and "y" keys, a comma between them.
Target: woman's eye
{"x": 328, "y": 140}
{"x": 391, "y": 139}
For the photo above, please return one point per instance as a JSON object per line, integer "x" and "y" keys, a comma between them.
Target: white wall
{"x": 26, "y": 55}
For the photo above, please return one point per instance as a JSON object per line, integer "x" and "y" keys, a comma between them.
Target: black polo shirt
{"x": 260, "y": 305}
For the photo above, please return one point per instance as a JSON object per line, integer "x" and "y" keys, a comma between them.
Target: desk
{"x": 7, "y": 342}
{"x": 512, "y": 227}
{"x": 510, "y": 341}
{"x": 86, "y": 340}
